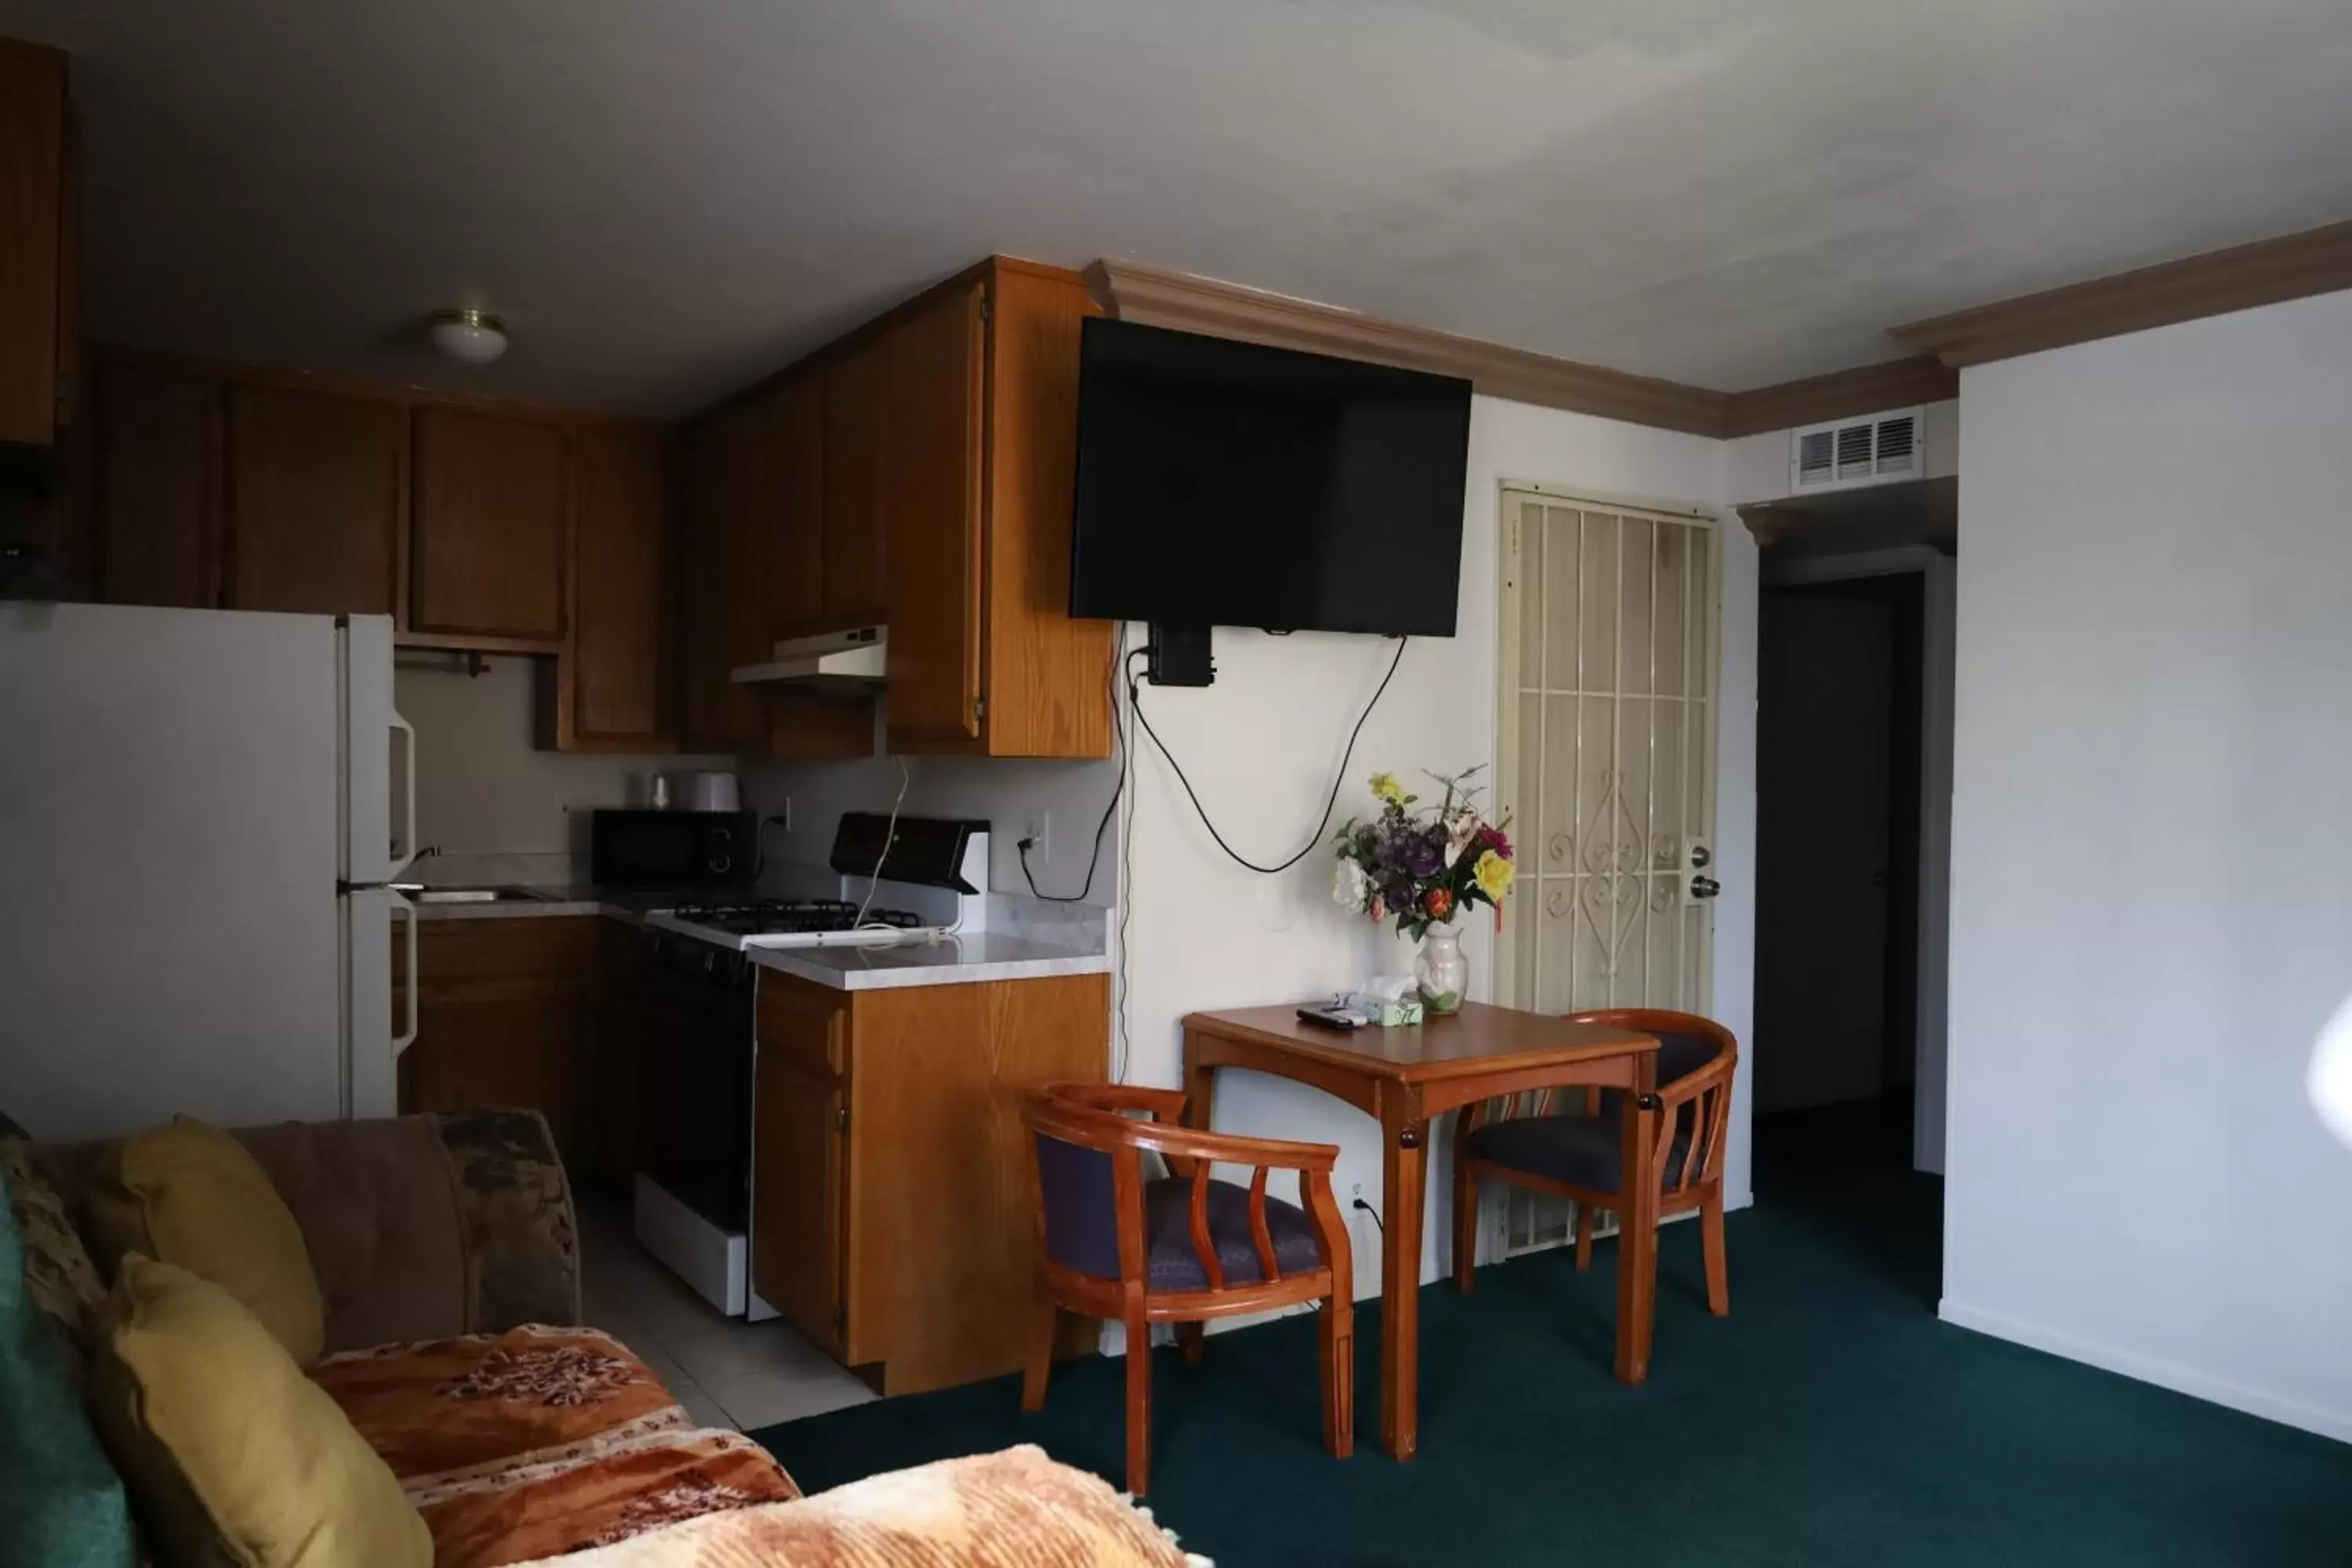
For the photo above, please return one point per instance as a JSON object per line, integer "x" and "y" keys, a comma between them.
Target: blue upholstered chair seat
{"x": 1167, "y": 1232}
{"x": 1585, "y": 1152}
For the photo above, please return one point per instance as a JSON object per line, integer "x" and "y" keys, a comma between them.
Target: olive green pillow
{"x": 190, "y": 1195}
{"x": 232, "y": 1455}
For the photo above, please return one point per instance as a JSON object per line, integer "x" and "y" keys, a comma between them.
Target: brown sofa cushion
{"x": 1010, "y": 1510}
{"x": 379, "y": 1212}
{"x": 418, "y": 1228}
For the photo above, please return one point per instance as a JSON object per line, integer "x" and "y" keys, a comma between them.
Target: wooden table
{"x": 1404, "y": 1077}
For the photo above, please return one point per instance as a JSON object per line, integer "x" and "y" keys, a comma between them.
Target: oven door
{"x": 694, "y": 1085}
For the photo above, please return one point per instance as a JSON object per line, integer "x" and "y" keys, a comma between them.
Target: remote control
{"x": 1333, "y": 1017}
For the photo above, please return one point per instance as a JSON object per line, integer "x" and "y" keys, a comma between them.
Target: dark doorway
{"x": 1839, "y": 698}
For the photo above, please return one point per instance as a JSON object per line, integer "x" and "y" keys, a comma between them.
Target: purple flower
{"x": 1424, "y": 853}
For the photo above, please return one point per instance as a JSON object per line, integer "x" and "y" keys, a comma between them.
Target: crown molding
{"x": 1866, "y": 389}
{"x": 1156, "y": 296}
{"x": 2267, "y": 272}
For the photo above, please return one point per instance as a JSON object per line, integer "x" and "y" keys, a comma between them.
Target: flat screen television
{"x": 1226, "y": 484}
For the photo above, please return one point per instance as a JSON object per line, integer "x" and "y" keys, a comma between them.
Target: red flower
{"x": 1437, "y": 903}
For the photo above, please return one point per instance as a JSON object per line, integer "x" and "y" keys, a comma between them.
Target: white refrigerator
{"x": 198, "y": 829}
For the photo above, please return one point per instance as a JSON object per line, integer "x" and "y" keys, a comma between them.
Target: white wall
{"x": 1261, "y": 745}
{"x": 482, "y": 788}
{"x": 2151, "y": 878}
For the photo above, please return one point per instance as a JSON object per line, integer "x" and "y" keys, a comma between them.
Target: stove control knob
{"x": 719, "y": 865}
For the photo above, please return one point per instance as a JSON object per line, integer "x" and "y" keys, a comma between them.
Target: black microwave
{"x": 673, "y": 848}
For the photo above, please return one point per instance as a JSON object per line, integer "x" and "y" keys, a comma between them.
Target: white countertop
{"x": 951, "y": 960}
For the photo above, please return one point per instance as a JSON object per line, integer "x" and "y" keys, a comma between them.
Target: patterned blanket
{"x": 1016, "y": 1509}
{"x": 541, "y": 1441}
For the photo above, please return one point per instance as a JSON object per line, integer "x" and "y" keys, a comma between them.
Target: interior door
{"x": 1606, "y": 765}
{"x": 1825, "y": 696}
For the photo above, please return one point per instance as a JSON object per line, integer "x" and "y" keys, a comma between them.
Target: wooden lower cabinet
{"x": 500, "y": 1005}
{"x": 893, "y": 1218}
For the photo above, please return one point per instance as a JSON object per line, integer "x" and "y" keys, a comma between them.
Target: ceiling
{"x": 666, "y": 201}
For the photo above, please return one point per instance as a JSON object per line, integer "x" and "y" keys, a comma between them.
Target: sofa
{"x": 446, "y": 1258}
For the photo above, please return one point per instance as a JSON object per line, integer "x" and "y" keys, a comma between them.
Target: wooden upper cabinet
{"x": 793, "y": 501}
{"x": 615, "y": 674}
{"x": 934, "y": 418}
{"x": 725, "y": 619}
{"x": 314, "y": 501}
{"x": 33, "y": 238}
{"x": 490, "y": 526}
{"x": 158, "y": 484}
{"x": 948, "y": 446}
{"x": 1047, "y": 675}
{"x": 857, "y": 453}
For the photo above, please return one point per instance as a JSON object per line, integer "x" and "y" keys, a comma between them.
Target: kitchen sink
{"x": 474, "y": 896}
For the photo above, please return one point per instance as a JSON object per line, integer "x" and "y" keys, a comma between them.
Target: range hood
{"x": 851, "y": 660}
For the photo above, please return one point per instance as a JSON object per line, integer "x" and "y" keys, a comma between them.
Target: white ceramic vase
{"x": 1441, "y": 971}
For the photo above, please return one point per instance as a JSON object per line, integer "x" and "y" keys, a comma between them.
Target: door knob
{"x": 1705, "y": 886}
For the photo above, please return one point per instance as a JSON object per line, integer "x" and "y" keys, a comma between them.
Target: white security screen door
{"x": 1605, "y": 761}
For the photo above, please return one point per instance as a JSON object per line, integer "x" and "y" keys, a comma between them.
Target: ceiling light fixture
{"x": 471, "y": 336}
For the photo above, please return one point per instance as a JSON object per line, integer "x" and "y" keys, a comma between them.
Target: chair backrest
{"x": 1089, "y": 1172}
{"x": 1696, "y": 1058}
{"x": 1090, "y": 1184}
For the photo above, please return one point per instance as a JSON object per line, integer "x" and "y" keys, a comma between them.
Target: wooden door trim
{"x": 2267, "y": 272}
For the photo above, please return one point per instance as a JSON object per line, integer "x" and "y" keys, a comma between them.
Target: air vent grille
{"x": 1856, "y": 451}
{"x": 1814, "y": 456}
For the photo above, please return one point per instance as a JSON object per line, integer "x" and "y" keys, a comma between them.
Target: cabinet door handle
{"x": 841, "y": 1119}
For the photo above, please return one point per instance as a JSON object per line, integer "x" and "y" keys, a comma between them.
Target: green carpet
{"x": 1830, "y": 1419}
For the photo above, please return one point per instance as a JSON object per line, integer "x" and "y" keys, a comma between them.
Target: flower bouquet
{"x": 1424, "y": 865}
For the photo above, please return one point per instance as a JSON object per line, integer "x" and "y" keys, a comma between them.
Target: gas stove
{"x": 785, "y": 922}
{"x": 933, "y": 870}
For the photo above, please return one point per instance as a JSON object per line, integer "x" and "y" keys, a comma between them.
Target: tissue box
{"x": 1389, "y": 1012}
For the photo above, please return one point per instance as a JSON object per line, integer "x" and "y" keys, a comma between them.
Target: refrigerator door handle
{"x": 408, "y": 1036}
{"x": 407, "y": 812}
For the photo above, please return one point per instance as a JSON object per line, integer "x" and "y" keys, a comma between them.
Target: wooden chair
{"x": 1114, "y": 1243}
{"x": 1580, "y": 1155}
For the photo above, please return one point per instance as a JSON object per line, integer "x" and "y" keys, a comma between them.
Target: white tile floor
{"x": 727, "y": 1373}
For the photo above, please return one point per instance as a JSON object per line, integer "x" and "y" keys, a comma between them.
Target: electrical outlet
{"x": 1037, "y": 827}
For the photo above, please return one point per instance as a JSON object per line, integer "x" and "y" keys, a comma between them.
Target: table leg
{"x": 1200, "y": 1085}
{"x": 1404, "y": 1176}
{"x": 1637, "y": 1239}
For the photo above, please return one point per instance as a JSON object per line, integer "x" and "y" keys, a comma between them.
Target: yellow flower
{"x": 1386, "y": 790}
{"x": 1494, "y": 874}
